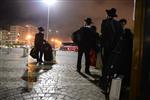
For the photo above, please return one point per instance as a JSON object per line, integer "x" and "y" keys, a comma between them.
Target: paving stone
{"x": 62, "y": 82}
{"x": 51, "y": 98}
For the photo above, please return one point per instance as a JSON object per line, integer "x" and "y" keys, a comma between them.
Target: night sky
{"x": 65, "y": 16}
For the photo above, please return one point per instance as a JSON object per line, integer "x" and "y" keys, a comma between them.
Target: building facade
{"x": 16, "y": 33}
{"x": 30, "y": 33}
{"x": 4, "y": 37}
{"x": 22, "y": 34}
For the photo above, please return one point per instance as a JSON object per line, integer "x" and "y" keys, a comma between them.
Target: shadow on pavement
{"x": 93, "y": 78}
{"x": 32, "y": 72}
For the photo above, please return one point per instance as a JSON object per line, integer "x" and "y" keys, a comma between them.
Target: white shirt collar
{"x": 89, "y": 26}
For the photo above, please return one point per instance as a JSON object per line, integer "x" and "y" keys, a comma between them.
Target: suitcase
{"x": 115, "y": 88}
{"x": 92, "y": 58}
{"x": 48, "y": 53}
{"x": 33, "y": 53}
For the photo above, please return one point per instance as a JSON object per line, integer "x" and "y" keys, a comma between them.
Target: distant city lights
{"x": 28, "y": 37}
{"x": 57, "y": 43}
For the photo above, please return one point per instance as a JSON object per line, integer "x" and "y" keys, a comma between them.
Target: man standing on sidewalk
{"x": 85, "y": 40}
{"x": 111, "y": 31}
{"x": 38, "y": 43}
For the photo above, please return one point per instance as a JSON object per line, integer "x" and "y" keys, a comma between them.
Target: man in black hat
{"x": 38, "y": 43}
{"x": 111, "y": 31}
{"x": 85, "y": 43}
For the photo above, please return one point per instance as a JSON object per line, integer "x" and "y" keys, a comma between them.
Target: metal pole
{"x": 48, "y": 19}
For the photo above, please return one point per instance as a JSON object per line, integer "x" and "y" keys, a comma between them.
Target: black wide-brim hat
{"x": 112, "y": 12}
{"x": 40, "y": 28}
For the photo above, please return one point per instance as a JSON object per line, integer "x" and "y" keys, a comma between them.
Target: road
{"x": 67, "y": 57}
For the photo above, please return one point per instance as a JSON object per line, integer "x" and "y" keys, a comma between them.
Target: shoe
{"x": 88, "y": 72}
{"x": 105, "y": 92}
{"x": 24, "y": 90}
{"x": 78, "y": 71}
{"x": 41, "y": 61}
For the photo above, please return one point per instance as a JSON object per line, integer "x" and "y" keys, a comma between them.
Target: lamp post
{"x": 49, "y": 3}
{"x": 47, "y": 23}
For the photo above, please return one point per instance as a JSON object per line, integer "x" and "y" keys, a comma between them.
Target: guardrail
{"x": 22, "y": 52}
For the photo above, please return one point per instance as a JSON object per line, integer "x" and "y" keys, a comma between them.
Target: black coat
{"x": 39, "y": 39}
{"x": 111, "y": 31}
{"x": 84, "y": 38}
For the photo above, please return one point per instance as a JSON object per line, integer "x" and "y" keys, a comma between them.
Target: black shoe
{"x": 41, "y": 61}
{"x": 105, "y": 92}
{"x": 78, "y": 71}
{"x": 24, "y": 90}
{"x": 88, "y": 72}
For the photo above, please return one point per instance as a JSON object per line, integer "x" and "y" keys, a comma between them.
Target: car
{"x": 69, "y": 46}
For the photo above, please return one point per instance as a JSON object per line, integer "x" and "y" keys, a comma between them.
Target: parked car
{"x": 69, "y": 46}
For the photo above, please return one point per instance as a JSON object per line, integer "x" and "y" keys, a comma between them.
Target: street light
{"x": 57, "y": 31}
{"x": 28, "y": 38}
{"x": 49, "y": 3}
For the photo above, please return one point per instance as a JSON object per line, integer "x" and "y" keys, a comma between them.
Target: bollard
{"x": 54, "y": 56}
{"x": 7, "y": 51}
{"x": 25, "y": 52}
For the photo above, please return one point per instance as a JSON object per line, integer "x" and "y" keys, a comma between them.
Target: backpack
{"x": 76, "y": 38}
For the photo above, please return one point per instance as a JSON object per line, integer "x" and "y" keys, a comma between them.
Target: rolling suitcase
{"x": 92, "y": 58}
{"x": 48, "y": 53}
{"x": 33, "y": 53}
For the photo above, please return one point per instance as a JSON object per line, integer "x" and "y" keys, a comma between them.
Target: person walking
{"x": 38, "y": 43}
{"x": 111, "y": 31}
{"x": 85, "y": 41}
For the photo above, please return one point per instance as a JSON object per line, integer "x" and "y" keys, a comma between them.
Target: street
{"x": 67, "y": 57}
{"x": 58, "y": 81}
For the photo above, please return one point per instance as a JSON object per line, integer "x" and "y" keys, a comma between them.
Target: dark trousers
{"x": 105, "y": 79}
{"x": 39, "y": 54}
{"x": 105, "y": 61}
{"x": 87, "y": 59}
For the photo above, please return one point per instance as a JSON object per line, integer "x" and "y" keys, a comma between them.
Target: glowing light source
{"x": 52, "y": 40}
{"x": 17, "y": 40}
{"x": 28, "y": 37}
{"x": 57, "y": 43}
{"x": 50, "y": 2}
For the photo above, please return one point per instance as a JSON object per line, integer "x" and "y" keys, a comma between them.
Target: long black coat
{"x": 111, "y": 31}
{"x": 39, "y": 39}
{"x": 85, "y": 38}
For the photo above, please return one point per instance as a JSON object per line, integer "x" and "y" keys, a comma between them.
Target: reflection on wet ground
{"x": 32, "y": 72}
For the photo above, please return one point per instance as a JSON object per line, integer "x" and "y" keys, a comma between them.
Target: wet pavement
{"x": 45, "y": 81}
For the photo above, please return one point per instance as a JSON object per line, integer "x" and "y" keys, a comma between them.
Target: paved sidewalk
{"x": 54, "y": 82}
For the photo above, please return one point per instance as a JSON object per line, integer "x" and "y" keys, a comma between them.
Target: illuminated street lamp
{"x": 57, "y": 31}
{"x": 52, "y": 40}
{"x": 49, "y": 3}
{"x": 28, "y": 38}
